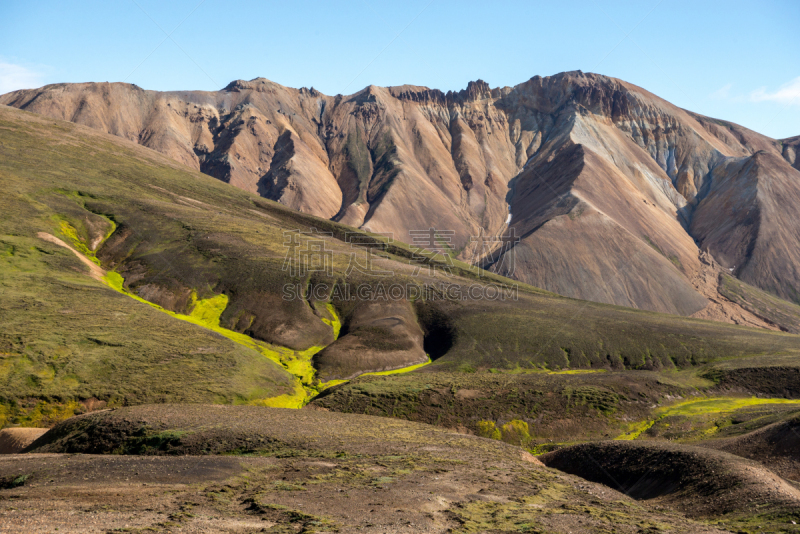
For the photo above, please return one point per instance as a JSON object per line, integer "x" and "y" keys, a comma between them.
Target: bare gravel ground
{"x": 330, "y": 473}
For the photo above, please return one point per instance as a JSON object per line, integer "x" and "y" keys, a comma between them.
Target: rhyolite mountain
{"x": 129, "y": 279}
{"x": 599, "y": 189}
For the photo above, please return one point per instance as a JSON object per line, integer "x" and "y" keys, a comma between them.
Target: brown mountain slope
{"x": 790, "y": 148}
{"x": 601, "y": 178}
{"x": 749, "y": 219}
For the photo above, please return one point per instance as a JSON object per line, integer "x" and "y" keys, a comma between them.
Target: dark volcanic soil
{"x": 331, "y": 473}
{"x": 699, "y": 482}
{"x": 776, "y": 446}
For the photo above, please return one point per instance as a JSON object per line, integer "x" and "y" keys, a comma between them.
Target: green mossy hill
{"x": 557, "y": 407}
{"x": 69, "y": 343}
{"x": 566, "y": 407}
{"x": 537, "y": 332}
{"x": 178, "y": 239}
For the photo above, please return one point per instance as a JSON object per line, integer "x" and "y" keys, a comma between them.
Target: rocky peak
{"x": 418, "y": 94}
{"x": 476, "y": 90}
{"x": 309, "y": 91}
{"x": 259, "y": 85}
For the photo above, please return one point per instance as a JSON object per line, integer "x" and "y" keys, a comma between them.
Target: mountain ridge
{"x": 408, "y": 157}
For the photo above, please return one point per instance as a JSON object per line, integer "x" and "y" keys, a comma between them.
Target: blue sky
{"x": 732, "y": 60}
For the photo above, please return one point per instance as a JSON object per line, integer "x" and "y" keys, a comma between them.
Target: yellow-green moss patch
{"x": 701, "y": 407}
{"x": 399, "y": 371}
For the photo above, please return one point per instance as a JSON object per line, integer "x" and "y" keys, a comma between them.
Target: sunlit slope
{"x": 217, "y": 325}
{"x": 615, "y": 194}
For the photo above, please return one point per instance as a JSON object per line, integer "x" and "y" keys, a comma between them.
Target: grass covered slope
{"x": 541, "y": 332}
{"x": 561, "y": 407}
{"x": 780, "y": 312}
{"x": 68, "y": 340}
{"x": 193, "y": 304}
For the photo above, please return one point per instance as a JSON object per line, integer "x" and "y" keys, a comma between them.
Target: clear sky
{"x": 732, "y": 60}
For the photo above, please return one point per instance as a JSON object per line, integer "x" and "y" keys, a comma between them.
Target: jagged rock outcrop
{"x": 578, "y": 183}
